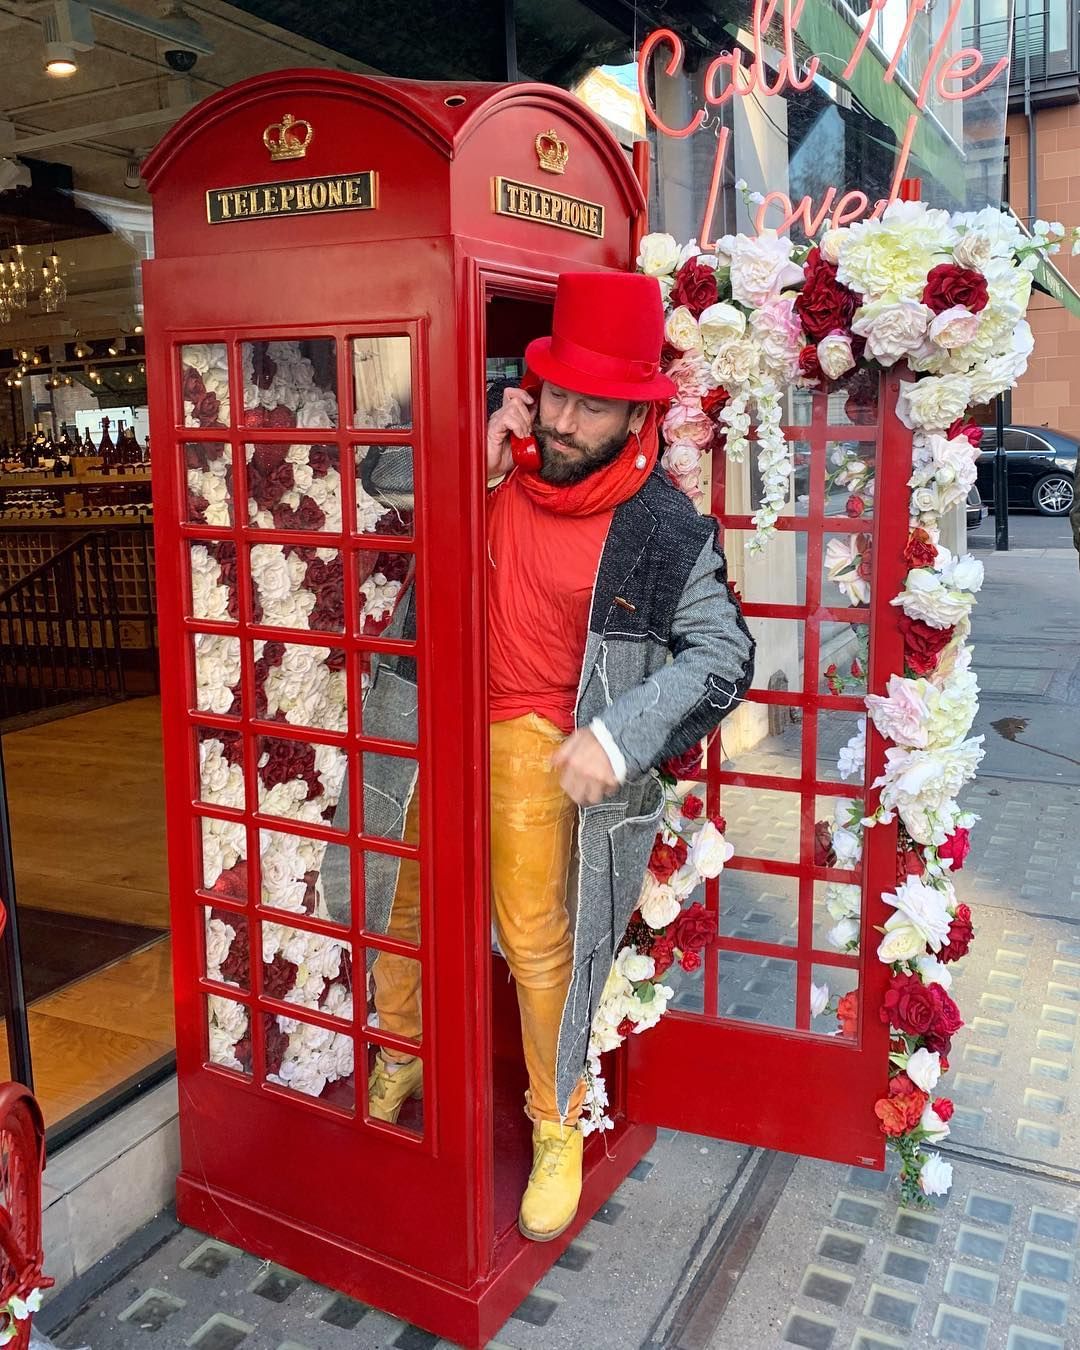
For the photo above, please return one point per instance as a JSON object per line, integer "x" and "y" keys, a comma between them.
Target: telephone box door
{"x": 754, "y": 1050}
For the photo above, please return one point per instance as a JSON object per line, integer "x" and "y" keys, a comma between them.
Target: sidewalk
{"x": 709, "y": 1245}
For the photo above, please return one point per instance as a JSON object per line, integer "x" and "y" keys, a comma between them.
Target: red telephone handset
{"x": 525, "y": 452}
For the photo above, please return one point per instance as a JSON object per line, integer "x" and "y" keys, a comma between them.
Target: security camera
{"x": 181, "y": 59}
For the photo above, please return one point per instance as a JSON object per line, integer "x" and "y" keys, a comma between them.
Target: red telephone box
{"x": 341, "y": 262}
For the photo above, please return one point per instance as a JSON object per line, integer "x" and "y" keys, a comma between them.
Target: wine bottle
{"x": 106, "y": 449}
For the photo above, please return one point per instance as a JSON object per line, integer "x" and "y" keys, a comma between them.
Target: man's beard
{"x": 559, "y": 468}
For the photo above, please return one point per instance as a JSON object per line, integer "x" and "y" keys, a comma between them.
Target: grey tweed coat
{"x": 668, "y": 655}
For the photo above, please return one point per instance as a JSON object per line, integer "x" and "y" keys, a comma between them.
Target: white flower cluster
{"x": 293, "y": 386}
{"x": 210, "y": 362}
{"x": 943, "y": 474}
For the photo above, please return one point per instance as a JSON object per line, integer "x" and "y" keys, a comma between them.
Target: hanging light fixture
{"x": 53, "y": 290}
{"x": 20, "y": 279}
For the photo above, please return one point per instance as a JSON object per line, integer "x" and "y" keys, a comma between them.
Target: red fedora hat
{"x": 606, "y": 335}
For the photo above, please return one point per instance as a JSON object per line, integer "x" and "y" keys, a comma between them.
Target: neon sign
{"x": 946, "y": 74}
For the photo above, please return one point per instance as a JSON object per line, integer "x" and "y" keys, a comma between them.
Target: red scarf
{"x": 605, "y": 488}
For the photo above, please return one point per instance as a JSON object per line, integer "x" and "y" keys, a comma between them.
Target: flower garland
{"x": 946, "y": 297}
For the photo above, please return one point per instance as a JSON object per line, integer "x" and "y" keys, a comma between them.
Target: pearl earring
{"x": 641, "y": 461}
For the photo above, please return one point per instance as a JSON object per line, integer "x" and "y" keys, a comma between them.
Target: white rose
{"x": 719, "y": 324}
{"x": 634, "y": 966}
{"x": 924, "y": 1068}
{"x": 761, "y": 267}
{"x": 972, "y": 250}
{"x": 901, "y": 942}
{"x": 682, "y": 331}
{"x": 843, "y": 901}
{"x": 844, "y": 935}
{"x": 835, "y": 355}
{"x": 219, "y": 938}
{"x": 735, "y": 362}
{"x": 954, "y": 327}
{"x": 924, "y": 907}
{"x": 935, "y": 1177}
{"x": 892, "y": 328}
{"x": 819, "y": 998}
{"x": 659, "y": 255}
{"x": 830, "y": 244}
{"x": 933, "y": 971}
{"x": 932, "y": 1125}
{"x": 710, "y": 851}
{"x": 659, "y": 904}
{"x": 934, "y": 403}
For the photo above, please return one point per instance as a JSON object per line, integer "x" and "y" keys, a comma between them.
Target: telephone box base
{"x": 469, "y": 1317}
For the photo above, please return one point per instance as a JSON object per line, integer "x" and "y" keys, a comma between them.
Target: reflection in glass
{"x": 850, "y": 469}
{"x": 209, "y": 483}
{"x": 290, "y": 384}
{"x": 847, "y": 570}
{"x": 213, "y": 580}
{"x": 204, "y": 380}
{"x": 228, "y": 948}
{"x": 382, "y": 382}
{"x": 779, "y": 658}
{"x": 760, "y": 823}
{"x": 385, "y": 494}
{"x": 757, "y": 989}
{"x": 841, "y": 748}
{"x": 759, "y": 908}
{"x": 293, "y": 487}
{"x": 217, "y": 673}
{"x": 778, "y": 755}
{"x": 228, "y": 1030}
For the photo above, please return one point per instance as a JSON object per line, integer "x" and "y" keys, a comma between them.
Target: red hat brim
{"x": 539, "y": 359}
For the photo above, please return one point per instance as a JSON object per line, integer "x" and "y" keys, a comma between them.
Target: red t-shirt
{"x": 542, "y": 567}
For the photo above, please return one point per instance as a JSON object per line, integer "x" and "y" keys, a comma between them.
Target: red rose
{"x": 695, "y": 287}
{"x": 692, "y": 806}
{"x": 233, "y": 883}
{"x": 810, "y": 365}
{"x": 900, "y": 1084}
{"x": 921, "y": 551}
{"x": 900, "y": 1112}
{"x": 919, "y": 1009}
{"x": 690, "y": 961}
{"x": 944, "y": 1108}
{"x": 193, "y": 387}
{"x": 857, "y": 671}
{"x": 684, "y": 766}
{"x": 714, "y": 401}
{"x": 847, "y": 1014}
{"x": 307, "y": 516}
{"x": 662, "y": 952}
{"x": 862, "y": 391}
{"x": 275, "y": 1042}
{"x": 694, "y": 929}
{"x": 319, "y": 460}
{"x": 823, "y": 304}
{"x": 922, "y": 644}
{"x": 833, "y": 680}
{"x": 286, "y": 760}
{"x": 948, "y": 285}
{"x": 256, "y": 418}
{"x": 663, "y": 861}
{"x": 279, "y": 977}
{"x": 971, "y": 430}
{"x": 866, "y": 567}
{"x": 196, "y": 506}
{"x": 956, "y": 847}
{"x": 909, "y": 863}
{"x": 824, "y": 853}
{"x": 719, "y": 823}
{"x": 855, "y": 506}
{"x": 961, "y": 934}
{"x": 206, "y": 409}
{"x": 281, "y": 417}
{"x": 625, "y": 1027}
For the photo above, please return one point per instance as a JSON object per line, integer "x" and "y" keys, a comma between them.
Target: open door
{"x": 747, "y": 1052}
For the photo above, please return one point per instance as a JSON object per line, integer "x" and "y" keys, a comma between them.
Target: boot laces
{"x": 554, "y": 1152}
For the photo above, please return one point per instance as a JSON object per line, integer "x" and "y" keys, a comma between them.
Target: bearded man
{"x": 614, "y": 644}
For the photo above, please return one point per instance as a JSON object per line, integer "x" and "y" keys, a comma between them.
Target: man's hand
{"x": 515, "y": 416}
{"x": 585, "y": 772}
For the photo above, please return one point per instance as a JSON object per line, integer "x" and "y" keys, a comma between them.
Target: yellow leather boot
{"x": 551, "y": 1197}
{"x": 389, "y": 1089}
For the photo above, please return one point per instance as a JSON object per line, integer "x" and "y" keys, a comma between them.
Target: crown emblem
{"x": 289, "y": 138}
{"x": 552, "y": 151}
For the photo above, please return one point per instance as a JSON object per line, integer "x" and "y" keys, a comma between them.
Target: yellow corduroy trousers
{"x": 532, "y": 833}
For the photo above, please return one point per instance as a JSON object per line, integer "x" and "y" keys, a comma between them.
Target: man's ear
{"x": 638, "y": 414}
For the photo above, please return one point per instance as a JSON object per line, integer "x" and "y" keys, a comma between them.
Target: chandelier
{"x": 53, "y": 291}
{"x": 17, "y": 284}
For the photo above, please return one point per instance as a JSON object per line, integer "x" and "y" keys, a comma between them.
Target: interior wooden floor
{"x": 88, "y": 830}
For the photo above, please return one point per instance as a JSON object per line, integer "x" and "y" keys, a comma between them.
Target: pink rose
{"x": 681, "y": 458}
{"x": 691, "y": 375}
{"x": 954, "y": 327}
{"x": 688, "y": 424}
{"x": 901, "y": 716}
{"x": 778, "y": 332}
{"x": 835, "y": 355}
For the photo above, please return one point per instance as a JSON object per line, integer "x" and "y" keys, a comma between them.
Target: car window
{"x": 1037, "y": 446}
{"x": 1016, "y": 439}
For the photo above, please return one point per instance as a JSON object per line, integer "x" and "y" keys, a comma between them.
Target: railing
{"x": 60, "y": 639}
{"x": 1041, "y": 37}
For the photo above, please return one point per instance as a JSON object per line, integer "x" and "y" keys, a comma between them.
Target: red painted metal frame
{"x": 794, "y": 1089}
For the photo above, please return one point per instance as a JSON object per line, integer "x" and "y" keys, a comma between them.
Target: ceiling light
{"x": 115, "y": 347}
{"x": 67, "y": 28}
{"x": 133, "y": 173}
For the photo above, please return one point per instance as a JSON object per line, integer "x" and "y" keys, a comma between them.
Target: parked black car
{"x": 976, "y": 511}
{"x": 1042, "y": 468}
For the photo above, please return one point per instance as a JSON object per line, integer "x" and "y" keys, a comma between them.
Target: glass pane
{"x": 299, "y": 780}
{"x": 385, "y": 1091}
{"x": 837, "y": 916}
{"x": 228, "y": 948}
{"x": 799, "y": 408}
{"x": 759, "y": 908}
{"x": 392, "y": 886}
{"x": 385, "y": 498}
{"x": 229, "y": 1034}
{"x": 390, "y": 786}
{"x": 221, "y": 767}
{"x": 778, "y": 755}
{"x": 845, "y": 656}
{"x": 310, "y": 1060}
{"x": 305, "y": 686}
{"x": 778, "y": 662}
{"x": 689, "y": 987}
{"x": 308, "y": 969}
{"x": 846, "y": 564}
{"x": 296, "y": 587}
{"x": 217, "y": 673}
{"x": 293, "y": 487}
{"x": 838, "y": 837}
{"x": 382, "y": 382}
{"x": 213, "y": 580}
{"x": 850, "y": 475}
{"x": 757, "y": 989}
{"x": 209, "y": 483}
{"x": 775, "y": 577}
{"x": 394, "y": 1006}
{"x": 224, "y": 854}
{"x": 834, "y": 1002}
{"x": 853, "y": 400}
{"x": 305, "y": 876}
{"x": 389, "y": 692}
{"x": 798, "y": 496}
{"x": 841, "y": 747}
{"x": 204, "y": 376}
{"x": 290, "y": 384}
{"x": 760, "y": 823}
{"x": 382, "y": 576}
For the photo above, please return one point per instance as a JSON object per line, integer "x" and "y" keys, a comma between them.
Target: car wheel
{"x": 1053, "y": 495}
